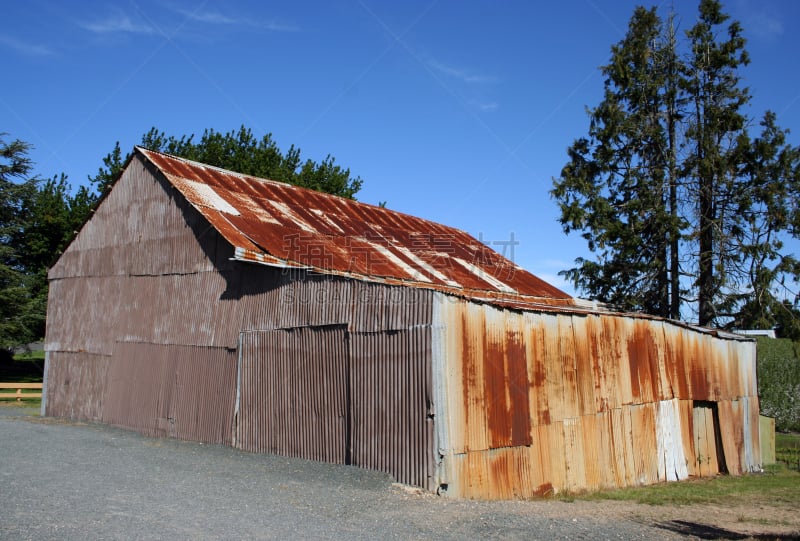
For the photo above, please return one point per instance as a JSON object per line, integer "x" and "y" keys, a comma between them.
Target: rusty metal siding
{"x": 740, "y": 437}
{"x": 76, "y": 385}
{"x": 79, "y": 314}
{"x": 609, "y": 400}
{"x": 392, "y": 404}
{"x": 184, "y": 392}
{"x": 687, "y": 437}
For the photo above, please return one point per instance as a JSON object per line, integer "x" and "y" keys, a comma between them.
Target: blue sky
{"x": 459, "y": 112}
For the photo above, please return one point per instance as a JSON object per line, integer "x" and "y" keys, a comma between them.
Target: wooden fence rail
{"x": 19, "y": 395}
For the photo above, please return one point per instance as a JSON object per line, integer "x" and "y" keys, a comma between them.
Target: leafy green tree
{"x": 37, "y": 220}
{"x": 766, "y": 202}
{"x": 682, "y": 209}
{"x": 717, "y": 143}
{"x": 242, "y": 152}
{"x": 787, "y": 321}
{"x": 619, "y": 185}
{"x": 18, "y": 318}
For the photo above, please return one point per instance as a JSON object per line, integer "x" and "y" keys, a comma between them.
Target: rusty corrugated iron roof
{"x": 278, "y": 224}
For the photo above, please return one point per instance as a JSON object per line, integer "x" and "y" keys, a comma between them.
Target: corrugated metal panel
{"x": 752, "y": 434}
{"x": 382, "y": 308}
{"x": 643, "y": 436}
{"x": 586, "y": 372}
{"x": 671, "y": 457}
{"x": 594, "y": 457}
{"x": 392, "y": 404}
{"x": 280, "y": 224}
{"x": 492, "y": 370}
{"x": 278, "y": 299}
{"x": 574, "y": 454}
{"x": 321, "y": 393}
{"x": 687, "y": 425}
{"x": 608, "y": 469}
{"x": 294, "y": 393}
{"x": 141, "y": 230}
{"x": 93, "y": 313}
{"x": 740, "y": 436}
{"x": 553, "y": 387}
{"x": 705, "y": 441}
{"x": 643, "y": 359}
{"x": 611, "y": 397}
{"x": 615, "y": 335}
{"x": 624, "y": 451}
{"x": 76, "y": 385}
{"x": 176, "y": 391}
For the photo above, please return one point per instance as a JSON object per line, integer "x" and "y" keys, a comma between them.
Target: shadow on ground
{"x": 705, "y": 531}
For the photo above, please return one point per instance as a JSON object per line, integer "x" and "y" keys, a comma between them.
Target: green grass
{"x": 24, "y": 368}
{"x": 29, "y": 356}
{"x": 31, "y": 403}
{"x": 777, "y": 484}
{"x": 787, "y": 449}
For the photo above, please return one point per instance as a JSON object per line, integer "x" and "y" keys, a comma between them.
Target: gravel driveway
{"x": 61, "y": 480}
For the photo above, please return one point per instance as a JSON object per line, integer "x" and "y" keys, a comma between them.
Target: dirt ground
{"x": 756, "y": 521}
{"x": 84, "y": 481}
{"x": 759, "y": 519}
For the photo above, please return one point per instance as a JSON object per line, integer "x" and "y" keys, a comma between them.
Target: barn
{"x": 205, "y": 305}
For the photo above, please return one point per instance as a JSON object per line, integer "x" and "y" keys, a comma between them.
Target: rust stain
{"x": 538, "y": 383}
{"x": 594, "y": 331}
{"x": 516, "y": 363}
{"x": 494, "y": 389}
{"x": 697, "y": 372}
{"x": 584, "y": 366}
{"x": 468, "y": 372}
{"x": 501, "y": 475}
{"x": 639, "y": 354}
{"x": 676, "y": 357}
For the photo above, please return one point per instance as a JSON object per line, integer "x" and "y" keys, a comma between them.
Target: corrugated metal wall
{"x": 184, "y": 392}
{"x": 541, "y": 402}
{"x": 325, "y": 394}
{"x": 76, "y": 384}
{"x": 294, "y": 393}
{"x": 392, "y": 404}
{"x": 144, "y": 321}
